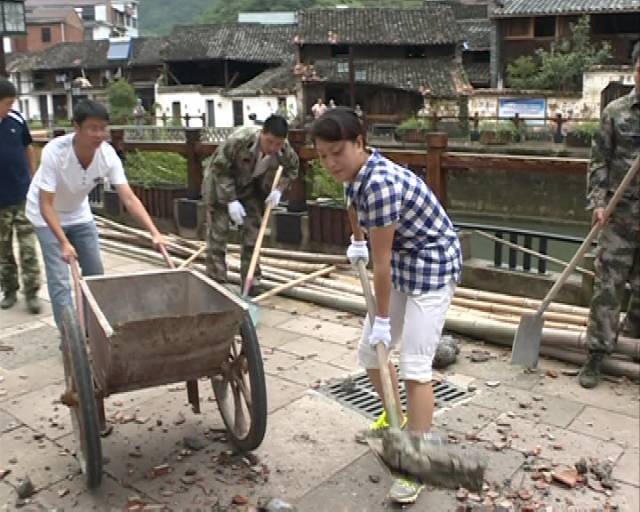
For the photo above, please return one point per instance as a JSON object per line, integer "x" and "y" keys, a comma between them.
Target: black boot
{"x": 9, "y": 300}
{"x": 33, "y": 305}
{"x": 590, "y": 374}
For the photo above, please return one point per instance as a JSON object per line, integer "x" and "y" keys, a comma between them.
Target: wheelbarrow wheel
{"x": 241, "y": 392}
{"x": 80, "y": 398}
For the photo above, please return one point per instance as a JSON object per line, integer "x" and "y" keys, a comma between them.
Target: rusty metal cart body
{"x": 135, "y": 331}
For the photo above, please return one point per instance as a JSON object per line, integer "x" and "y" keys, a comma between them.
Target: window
{"x": 46, "y": 34}
{"x": 544, "y": 26}
{"x": 517, "y": 27}
{"x": 604, "y": 24}
{"x": 415, "y": 52}
{"x": 339, "y": 50}
{"x": 360, "y": 75}
{"x": 89, "y": 13}
{"x": 343, "y": 67}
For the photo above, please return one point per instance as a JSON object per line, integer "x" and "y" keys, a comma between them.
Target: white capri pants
{"x": 417, "y": 320}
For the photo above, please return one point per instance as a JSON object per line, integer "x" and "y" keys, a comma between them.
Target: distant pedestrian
{"x": 318, "y": 108}
{"x": 332, "y": 103}
{"x": 18, "y": 165}
{"x": 359, "y": 112}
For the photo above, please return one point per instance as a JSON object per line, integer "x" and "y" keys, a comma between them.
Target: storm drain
{"x": 356, "y": 392}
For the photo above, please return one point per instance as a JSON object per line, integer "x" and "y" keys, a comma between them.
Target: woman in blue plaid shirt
{"x": 416, "y": 264}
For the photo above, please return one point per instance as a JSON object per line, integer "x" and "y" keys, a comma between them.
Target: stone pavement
{"x": 527, "y": 425}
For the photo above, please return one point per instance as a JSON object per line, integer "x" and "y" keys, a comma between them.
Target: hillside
{"x": 158, "y": 16}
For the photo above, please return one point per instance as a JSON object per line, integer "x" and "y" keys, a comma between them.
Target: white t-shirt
{"x": 60, "y": 172}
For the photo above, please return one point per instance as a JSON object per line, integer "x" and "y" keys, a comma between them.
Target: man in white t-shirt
{"x": 58, "y": 205}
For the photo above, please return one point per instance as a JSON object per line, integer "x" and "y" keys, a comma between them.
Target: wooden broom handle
{"x": 383, "y": 360}
{"x": 295, "y": 282}
{"x": 248, "y": 282}
{"x": 586, "y": 245}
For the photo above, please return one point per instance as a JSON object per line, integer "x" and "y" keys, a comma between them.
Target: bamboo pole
{"x": 295, "y": 282}
{"x": 537, "y": 254}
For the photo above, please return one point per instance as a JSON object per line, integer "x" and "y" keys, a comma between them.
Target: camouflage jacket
{"x": 614, "y": 149}
{"x": 232, "y": 172}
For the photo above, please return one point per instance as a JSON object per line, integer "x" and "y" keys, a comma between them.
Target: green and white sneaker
{"x": 405, "y": 490}
{"x": 376, "y": 428}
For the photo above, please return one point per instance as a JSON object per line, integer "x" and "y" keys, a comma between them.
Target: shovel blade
{"x": 526, "y": 344}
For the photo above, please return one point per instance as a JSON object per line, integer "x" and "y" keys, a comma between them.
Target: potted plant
{"x": 328, "y": 220}
{"x": 497, "y": 133}
{"x": 157, "y": 178}
{"x": 413, "y": 130}
{"x": 582, "y": 135}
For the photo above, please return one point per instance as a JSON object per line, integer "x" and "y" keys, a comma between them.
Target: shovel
{"x": 248, "y": 281}
{"x": 439, "y": 465}
{"x": 526, "y": 344}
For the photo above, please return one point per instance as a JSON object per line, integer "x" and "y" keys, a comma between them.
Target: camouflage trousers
{"x": 12, "y": 218}
{"x": 617, "y": 263}
{"x": 218, "y": 234}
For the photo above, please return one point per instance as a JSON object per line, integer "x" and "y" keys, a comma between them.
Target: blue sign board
{"x": 524, "y": 107}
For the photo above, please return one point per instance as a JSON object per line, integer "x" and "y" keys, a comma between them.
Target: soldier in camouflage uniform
{"x": 18, "y": 164}
{"x": 617, "y": 262}
{"x": 237, "y": 185}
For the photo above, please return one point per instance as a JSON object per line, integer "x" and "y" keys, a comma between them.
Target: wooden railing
{"x": 432, "y": 163}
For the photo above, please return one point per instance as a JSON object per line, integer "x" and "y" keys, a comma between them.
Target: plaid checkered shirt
{"x": 426, "y": 252}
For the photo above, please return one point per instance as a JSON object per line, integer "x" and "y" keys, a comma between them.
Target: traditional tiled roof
{"x": 477, "y": 34}
{"x": 275, "y": 81}
{"x": 49, "y": 14}
{"x": 146, "y": 51}
{"x": 514, "y": 8}
{"x": 437, "y": 77}
{"x": 478, "y": 72}
{"x": 251, "y": 42}
{"x": 86, "y": 54}
{"x": 377, "y": 25}
{"x": 462, "y": 11}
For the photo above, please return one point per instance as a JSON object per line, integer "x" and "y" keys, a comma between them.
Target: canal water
{"x": 484, "y": 248}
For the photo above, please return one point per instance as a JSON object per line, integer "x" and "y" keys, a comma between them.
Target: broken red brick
{"x": 524, "y": 494}
{"x": 162, "y": 469}
{"x": 238, "y": 499}
{"x": 551, "y": 373}
{"x": 4, "y": 472}
{"x": 565, "y": 475}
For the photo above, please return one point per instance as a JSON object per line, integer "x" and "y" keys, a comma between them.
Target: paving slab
{"x": 42, "y": 460}
{"x": 531, "y": 435}
{"x": 73, "y": 495}
{"x": 42, "y": 411}
{"x": 8, "y": 422}
{"x": 311, "y": 372}
{"x": 621, "y": 398}
{"x": 464, "y": 418}
{"x": 609, "y": 426}
{"x": 628, "y": 497}
{"x": 322, "y": 329}
{"x": 539, "y": 407}
{"x": 306, "y": 442}
{"x": 281, "y": 392}
{"x": 270, "y": 317}
{"x": 40, "y": 344}
{"x": 29, "y": 378}
{"x": 494, "y": 369}
{"x": 316, "y": 349}
{"x": 276, "y": 361}
{"x": 348, "y": 360}
{"x": 627, "y": 468}
{"x": 274, "y": 337}
{"x": 290, "y": 305}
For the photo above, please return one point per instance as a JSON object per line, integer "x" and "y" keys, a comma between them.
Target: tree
{"x": 561, "y": 68}
{"x": 122, "y": 100}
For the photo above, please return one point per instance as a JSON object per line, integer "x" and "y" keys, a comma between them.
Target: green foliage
{"x": 522, "y": 72}
{"x": 152, "y": 169}
{"x": 414, "y": 123}
{"x": 505, "y": 127}
{"x": 320, "y": 184}
{"x": 158, "y": 16}
{"x": 562, "y": 67}
{"x": 585, "y": 132}
{"x": 122, "y": 99}
{"x": 538, "y": 133}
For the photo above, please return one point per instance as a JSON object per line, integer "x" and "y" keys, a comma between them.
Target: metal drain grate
{"x": 357, "y": 393}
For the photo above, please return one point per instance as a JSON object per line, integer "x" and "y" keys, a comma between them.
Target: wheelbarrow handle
{"x": 75, "y": 275}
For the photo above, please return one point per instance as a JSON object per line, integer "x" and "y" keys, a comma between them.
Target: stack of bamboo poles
{"x": 492, "y": 317}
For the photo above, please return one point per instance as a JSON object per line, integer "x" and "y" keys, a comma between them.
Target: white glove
{"x": 236, "y": 212}
{"x": 273, "y": 198}
{"x": 358, "y": 251}
{"x": 380, "y": 332}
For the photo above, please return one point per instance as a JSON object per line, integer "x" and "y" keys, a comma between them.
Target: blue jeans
{"x": 84, "y": 238}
